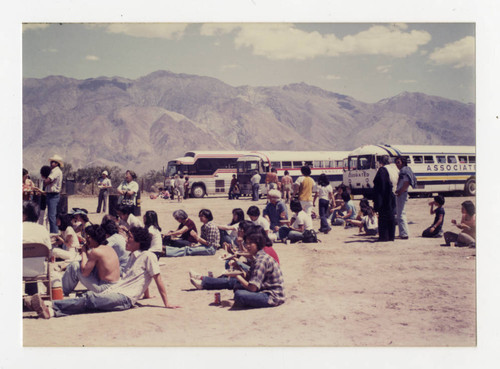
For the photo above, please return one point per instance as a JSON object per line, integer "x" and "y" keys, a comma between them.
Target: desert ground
{"x": 344, "y": 291}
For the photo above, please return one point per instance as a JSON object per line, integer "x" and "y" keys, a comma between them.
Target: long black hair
{"x": 151, "y": 219}
{"x": 240, "y": 215}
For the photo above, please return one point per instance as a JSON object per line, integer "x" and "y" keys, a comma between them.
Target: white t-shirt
{"x": 324, "y": 191}
{"x": 156, "y": 242}
{"x": 262, "y": 222}
{"x": 36, "y": 233}
{"x": 255, "y": 179}
{"x": 393, "y": 171}
{"x": 142, "y": 266}
{"x": 303, "y": 219}
{"x": 133, "y": 221}
{"x": 56, "y": 177}
{"x": 370, "y": 223}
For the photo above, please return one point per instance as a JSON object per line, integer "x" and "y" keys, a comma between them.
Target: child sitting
{"x": 435, "y": 230}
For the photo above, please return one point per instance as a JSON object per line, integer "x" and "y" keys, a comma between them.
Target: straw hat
{"x": 105, "y": 172}
{"x": 57, "y": 159}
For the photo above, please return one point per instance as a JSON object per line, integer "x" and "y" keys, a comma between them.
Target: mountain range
{"x": 141, "y": 124}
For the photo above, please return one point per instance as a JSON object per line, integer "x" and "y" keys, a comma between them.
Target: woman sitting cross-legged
{"x": 261, "y": 286}
{"x": 300, "y": 221}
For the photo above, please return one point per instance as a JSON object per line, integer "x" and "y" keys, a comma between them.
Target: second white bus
{"x": 438, "y": 169}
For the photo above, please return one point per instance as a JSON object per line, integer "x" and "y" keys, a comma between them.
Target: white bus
{"x": 209, "y": 172}
{"x": 332, "y": 163}
{"x": 437, "y": 168}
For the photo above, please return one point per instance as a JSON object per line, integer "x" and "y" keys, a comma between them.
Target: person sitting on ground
{"x": 301, "y": 221}
{"x": 141, "y": 269}
{"x": 275, "y": 213}
{"x": 468, "y": 226}
{"x": 253, "y": 213}
{"x": 435, "y": 230}
{"x": 368, "y": 222}
{"x": 67, "y": 244}
{"x": 79, "y": 222}
{"x": 99, "y": 267}
{"x": 186, "y": 231}
{"x": 262, "y": 286}
{"x": 116, "y": 239}
{"x": 127, "y": 217}
{"x": 349, "y": 211}
{"x": 209, "y": 240}
{"x": 229, "y": 233}
{"x": 151, "y": 224}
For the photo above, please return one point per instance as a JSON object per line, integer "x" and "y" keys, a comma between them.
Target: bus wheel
{"x": 198, "y": 191}
{"x": 470, "y": 187}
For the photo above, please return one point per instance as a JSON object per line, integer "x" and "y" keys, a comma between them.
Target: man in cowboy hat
{"x": 53, "y": 185}
{"x": 104, "y": 183}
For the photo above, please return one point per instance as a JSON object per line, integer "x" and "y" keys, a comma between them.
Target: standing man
{"x": 53, "y": 184}
{"x": 306, "y": 186}
{"x": 384, "y": 201}
{"x": 255, "y": 181}
{"x": 406, "y": 179}
{"x": 104, "y": 183}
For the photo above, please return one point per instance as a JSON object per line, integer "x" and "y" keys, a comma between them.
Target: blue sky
{"x": 368, "y": 61}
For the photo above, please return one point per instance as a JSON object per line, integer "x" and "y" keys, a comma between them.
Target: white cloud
{"x": 279, "y": 41}
{"x": 51, "y": 50}
{"x": 92, "y": 58}
{"x": 459, "y": 54}
{"x": 384, "y": 68}
{"x": 332, "y": 77}
{"x": 34, "y": 26}
{"x": 407, "y": 81}
{"x": 168, "y": 31}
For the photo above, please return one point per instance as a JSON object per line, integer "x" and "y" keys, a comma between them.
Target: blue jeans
{"x": 255, "y": 192}
{"x": 251, "y": 299}
{"x": 209, "y": 283}
{"x": 401, "y": 214}
{"x": 188, "y": 251}
{"x": 73, "y": 275}
{"x": 323, "y": 214}
{"x": 52, "y": 202}
{"x": 293, "y": 236}
{"x": 91, "y": 302}
{"x": 102, "y": 200}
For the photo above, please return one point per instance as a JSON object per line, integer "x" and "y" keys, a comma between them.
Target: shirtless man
{"x": 99, "y": 267}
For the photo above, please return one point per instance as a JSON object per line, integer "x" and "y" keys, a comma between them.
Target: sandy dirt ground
{"x": 345, "y": 291}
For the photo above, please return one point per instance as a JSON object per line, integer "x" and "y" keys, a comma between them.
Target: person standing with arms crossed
{"x": 406, "y": 179}
{"x": 53, "y": 184}
{"x": 103, "y": 184}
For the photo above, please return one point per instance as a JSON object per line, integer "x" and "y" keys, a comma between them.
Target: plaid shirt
{"x": 210, "y": 233}
{"x": 265, "y": 274}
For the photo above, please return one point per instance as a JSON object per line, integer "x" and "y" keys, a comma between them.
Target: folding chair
{"x": 36, "y": 258}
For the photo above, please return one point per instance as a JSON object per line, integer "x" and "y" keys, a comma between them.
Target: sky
{"x": 367, "y": 61}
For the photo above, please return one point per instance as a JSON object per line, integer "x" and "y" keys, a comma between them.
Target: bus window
{"x": 462, "y": 159}
{"x": 353, "y": 161}
{"x": 441, "y": 159}
{"x": 365, "y": 162}
{"x": 417, "y": 159}
{"x": 408, "y": 159}
{"x": 276, "y": 164}
{"x": 309, "y": 163}
{"x": 472, "y": 159}
{"x": 297, "y": 164}
{"x": 428, "y": 159}
{"x": 318, "y": 164}
{"x": 286, "y": 164}
{"x": 452, "y": 159}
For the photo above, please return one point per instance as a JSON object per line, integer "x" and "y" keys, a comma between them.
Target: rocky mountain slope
{"x": 141, "y": 124}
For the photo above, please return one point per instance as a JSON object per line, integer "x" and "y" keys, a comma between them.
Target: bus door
{"x": 246, "y": 169}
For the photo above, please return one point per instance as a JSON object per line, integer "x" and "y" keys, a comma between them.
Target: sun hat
{"x": 105, "y": 172}
{"x": 57, "y": 159}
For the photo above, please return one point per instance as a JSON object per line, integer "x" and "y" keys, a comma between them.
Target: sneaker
{"x": 196, "y": 283}
{"x": 38, "y": 306}
{"x": 195, "y": 275}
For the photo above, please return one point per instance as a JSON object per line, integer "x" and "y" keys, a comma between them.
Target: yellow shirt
{"x": 305, "y": 189}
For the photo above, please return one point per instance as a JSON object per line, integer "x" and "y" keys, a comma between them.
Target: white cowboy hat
{"x": 57, "y": 159}
{"x": 105, "y": 172}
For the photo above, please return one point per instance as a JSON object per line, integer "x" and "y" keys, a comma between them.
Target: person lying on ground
{"x": 141, "y": 269}
{"x": 261, "y": 286}
{"x": 99, "y": 267}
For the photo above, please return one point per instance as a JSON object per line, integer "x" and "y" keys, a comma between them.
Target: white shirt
{"x": 56, "y": 177}
{"x": 36, "y": 233}
{"x": 263, "y": 222}
{"x": 156, "y": 242}
{"x": 103, "y": 183}
{"x": 393, "y": 171}
{"x": 133, "y": 221}
{"x": 255, "y": 179}
{"x": 303, "y": 219}
{"x": 323, "y": 192}
{"x": 370, "y": 223}
{"x": 142, "y": 266}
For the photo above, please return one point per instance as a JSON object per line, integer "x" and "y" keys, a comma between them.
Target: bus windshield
{"x": 247, "y": 166}
{"x": 172, "y": 168}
